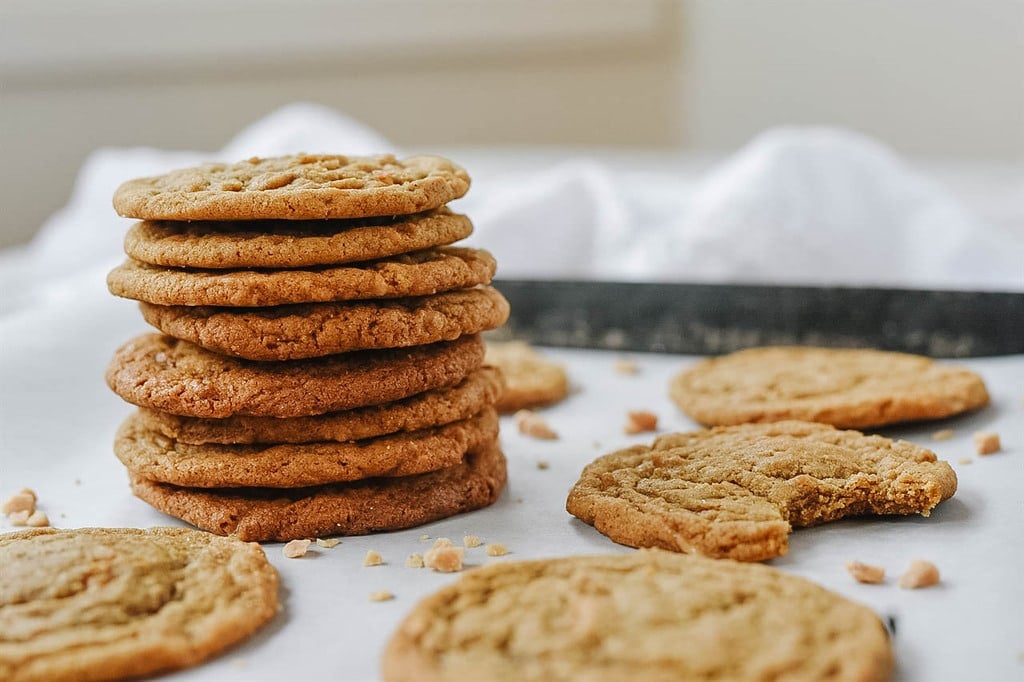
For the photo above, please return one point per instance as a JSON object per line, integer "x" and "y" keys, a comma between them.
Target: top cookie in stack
{"x": 321, "y": 366}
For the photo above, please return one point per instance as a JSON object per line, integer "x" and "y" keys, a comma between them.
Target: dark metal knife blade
{"x": 708, "y": 319}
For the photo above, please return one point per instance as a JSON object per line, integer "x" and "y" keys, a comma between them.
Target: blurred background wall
{"x": 932, "y": 78}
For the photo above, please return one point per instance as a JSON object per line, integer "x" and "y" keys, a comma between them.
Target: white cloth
{"x": 795, "y": 206}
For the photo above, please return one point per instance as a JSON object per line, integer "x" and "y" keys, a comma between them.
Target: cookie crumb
{"x": 533, "y": 425}
{"x": 986, "y": 442}
{"x": 471, "y": 541}
{"x": 19, "y": 518}
{"x": 296, "y": 548}
{"x": 381, "y": 595}
{"x": 38, "y": 519}
{"x": 542, "y": 465}
{"x": 943, "y": 434}
{"x": 865, "y": 573}
{"x": 626, "y": 367}
{"x": 414, "y": 560}
{"x": 424, "y": 537}
{"x": 640, "y": 421}
{"x": 24, "y": 500}
{"x": 496, "y": 549}
{"x": 920, "y": 574}
{"x": 965, "y": 460}
{"x": 444, "y": 559}
{"x": 442, "y": 542}
{"x": 373, "y": 558}
{"x": 328, "y": 543}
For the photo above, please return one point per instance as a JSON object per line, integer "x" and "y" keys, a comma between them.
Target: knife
{"x": 709, "y": 319}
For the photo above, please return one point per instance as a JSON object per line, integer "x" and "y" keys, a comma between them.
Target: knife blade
{"x": 709, "y": 319}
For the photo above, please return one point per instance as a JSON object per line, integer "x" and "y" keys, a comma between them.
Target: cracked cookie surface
{"x": 357, "y": 508}
{"x": 412, "y": 274}
{"x": 150, "y": 455}
{"x": 166, "y": 374}
{"x": 738, "y": 491}
{"x": 110, "y": 603}
{"x": 289, "y": 243}
{"x": 848, "y": 388}
{"x": 648, "y": 615}
{"x": 317, "y": 329}
{"x": 297, "y": 187}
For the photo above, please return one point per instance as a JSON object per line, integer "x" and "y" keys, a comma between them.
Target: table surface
{"x": 57, "y": 420}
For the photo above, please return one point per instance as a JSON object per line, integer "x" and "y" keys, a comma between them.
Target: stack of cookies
{"x": 320, "y": 367}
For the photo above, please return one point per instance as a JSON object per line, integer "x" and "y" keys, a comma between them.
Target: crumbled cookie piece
{"x": 24, "y": 500}
{"x": 442, "y": 542}
{"x": 381, "y": 595}
{"x": 373, "y": 558}
{"x": 943, "y": 434}
{"x": 965, "y": 460}
{"x": 920, "y": 574}
{"x": 542, "y": 465}
{"x": 38, "y": 519}
{"x": 414, "y": 560}
{"x": 496, "y": 549}
{"x": 626, "y": 367}
{"x": 296, "y": 549}
{"x": 986, "y": 442}
{"x": 328, "y": 543}
{"x": 639, "y": 421}
{"x": 865, "y": 573}
{"x": 19, "y": 518}
{"x": 471, "y": 541}
{"x": 424, "y": 537}
{"x": 446, "y": 559}
{"x": 533, "y": 425}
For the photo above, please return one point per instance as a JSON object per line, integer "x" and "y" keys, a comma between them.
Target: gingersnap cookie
{"x": 166, "y": 374}
{"x": 649, "y": 615}
{"x": 412, "y": 274}
{"x": 530, "y": 379}
{"x": 153, "y": 456}
{"x": 114, "y": 603}
{"x": 290, "y": 243}
{"x": 315, "y": 329}
{"x": 431, "y": 408}
{"x": 847, "y": 388}
{"x": 737, "y": 491}
{"x": 298, "y": 187}
{"x": 357, "y": 508}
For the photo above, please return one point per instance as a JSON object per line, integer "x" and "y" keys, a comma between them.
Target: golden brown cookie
{"x": 736, "y": 491}
{"x": 413, "y": 274}
{"x": 315, "y": 329}
{"x": 340, "y": 509}
{"x": 112, "y": 603}
{"x": 847, "y": 388}
{"x": 290, "y": 243}
{"x": 649, "y": 615}
{"x": 153, "y": 456}
{"x": 424, "y": 410}
{"x": 299, "y": 187}
{"x": 531, "y": 380}
{"x": 179, "y": 377}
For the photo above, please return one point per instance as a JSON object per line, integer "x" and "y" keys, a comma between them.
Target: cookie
{"x": 844, "y": 387}
{"x": 430, "y": 408}
{"x": 150, "y": 455}
{"x": 111, "y": 603}
{"x": 315, "y": 329}
{"x": 413, "y": 274}
{"x": 299, "y": 187}
{"x": 289, "y": 243}
{"x": 531, "y": 380}
{"x": 340, "y": 509}
{"x": 648, "y": 615}
{"x": 179, "y": 377}
{"x": 737, "y": 491}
